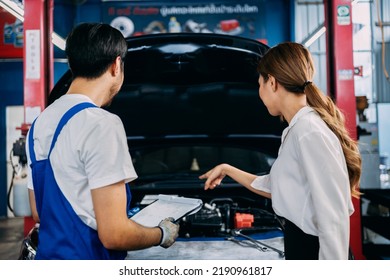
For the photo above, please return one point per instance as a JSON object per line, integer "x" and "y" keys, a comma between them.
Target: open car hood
{"x": 186, "y": 84}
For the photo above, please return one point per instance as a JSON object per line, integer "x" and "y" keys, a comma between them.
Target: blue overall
{"x": 62, "y": 234}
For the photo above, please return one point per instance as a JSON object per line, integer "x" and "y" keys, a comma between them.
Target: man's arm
{"x": 116, "y": 231}
{"x": 33, "y": 206}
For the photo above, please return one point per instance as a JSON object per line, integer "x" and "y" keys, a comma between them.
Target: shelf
{"x": 379, "y": 196}
{"x": 376, "y": 251}
{"x": 377, "y": 221}
{"x": 380, "y": 225}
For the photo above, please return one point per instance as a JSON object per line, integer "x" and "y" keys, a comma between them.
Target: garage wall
{"x": 11, "y": 117}
{"x": 309, "y": 19}
{"x": 381, "y": 44}
{"x": 11, "y": 80}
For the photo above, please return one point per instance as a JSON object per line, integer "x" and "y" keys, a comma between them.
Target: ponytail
{"x": 335, "y": 120}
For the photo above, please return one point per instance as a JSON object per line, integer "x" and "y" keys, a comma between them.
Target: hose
{"x": 11, "y": 183}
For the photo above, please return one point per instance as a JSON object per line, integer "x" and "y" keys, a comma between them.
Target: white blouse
{"x": 309, "y": 183}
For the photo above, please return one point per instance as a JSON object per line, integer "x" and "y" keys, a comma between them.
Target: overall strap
{"x": 31, "y": 143}
{"x": 66, "y": 117}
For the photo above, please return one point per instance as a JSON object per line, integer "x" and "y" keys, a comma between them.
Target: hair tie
{"x": 305, "y": 84}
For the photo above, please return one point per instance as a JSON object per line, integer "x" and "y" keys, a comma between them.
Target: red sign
{"x": 11, "y": 36}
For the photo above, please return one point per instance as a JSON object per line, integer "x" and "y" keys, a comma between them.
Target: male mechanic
{"x": 80, "y": 163}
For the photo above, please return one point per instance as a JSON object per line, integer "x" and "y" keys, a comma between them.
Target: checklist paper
{"x": 167, "y": 206}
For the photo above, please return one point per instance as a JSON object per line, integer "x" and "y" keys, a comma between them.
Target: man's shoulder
{"x": 100, "y": 115}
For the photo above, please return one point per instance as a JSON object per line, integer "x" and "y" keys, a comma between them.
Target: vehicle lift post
{"x": 37, "y": 65}
{"x": 338, "y": 21}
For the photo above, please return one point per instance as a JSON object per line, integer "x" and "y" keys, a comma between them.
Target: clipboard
{"x": 167, "y": 206}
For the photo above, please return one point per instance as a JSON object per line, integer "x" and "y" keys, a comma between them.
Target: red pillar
{"x": 338, "y": 20}
{"x": 38, "y": 63}
{"x": 38, "y": 56}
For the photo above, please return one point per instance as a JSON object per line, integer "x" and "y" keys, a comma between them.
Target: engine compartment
{"x": 226, "y": 225}
{"x": 220, "y": 215}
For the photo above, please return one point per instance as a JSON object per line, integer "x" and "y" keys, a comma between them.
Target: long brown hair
{"x": 292, "y": 66}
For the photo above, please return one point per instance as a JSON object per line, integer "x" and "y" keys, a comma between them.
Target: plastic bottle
{"x": 8, "y": 34}
{"x": 383, "y": 172}
{"x": 21, "y": 204}
{"x": 18, "y": 31}
{"x": 174, "y": 25}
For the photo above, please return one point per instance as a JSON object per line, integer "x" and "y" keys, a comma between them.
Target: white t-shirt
{"x": 309, "y": 183}
{"x": 91, "y": 152}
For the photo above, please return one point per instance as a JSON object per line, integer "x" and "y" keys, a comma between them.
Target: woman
{"x": 318, "y": 167}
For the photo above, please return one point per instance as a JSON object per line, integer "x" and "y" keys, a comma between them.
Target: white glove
{"x": 169, "y": 232}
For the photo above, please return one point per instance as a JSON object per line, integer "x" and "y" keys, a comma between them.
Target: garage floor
{"x": 214, "y": 249}
{"x": 11, "y": 236}
{"x": 12, "y": 230}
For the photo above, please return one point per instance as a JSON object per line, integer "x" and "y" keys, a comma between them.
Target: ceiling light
{"x": 314, "y": 36}
{"x": 13, "y": 9}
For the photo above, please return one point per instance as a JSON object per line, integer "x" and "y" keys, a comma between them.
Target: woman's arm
{"x": 215, "y": 176}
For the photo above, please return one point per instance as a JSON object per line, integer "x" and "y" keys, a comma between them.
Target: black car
{"x": 188, "y": 102}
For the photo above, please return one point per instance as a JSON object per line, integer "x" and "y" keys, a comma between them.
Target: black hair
{"x": 92, "y": 47}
